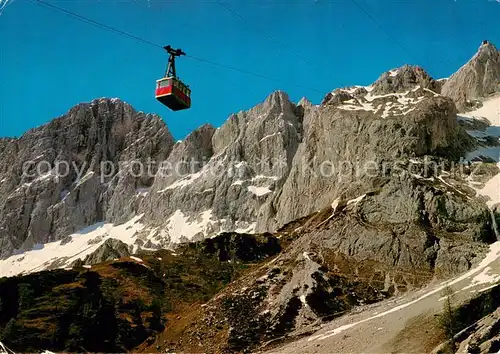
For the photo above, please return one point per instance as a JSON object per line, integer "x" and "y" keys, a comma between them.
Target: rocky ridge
{"x": 363, "y": 194}
{"x": 477, "y": 79}
{"x": 71, "y": 172}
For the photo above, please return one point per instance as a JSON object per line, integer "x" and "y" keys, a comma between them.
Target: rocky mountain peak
{"x": 201, "y": 136}
{"x": 304, "y": 102}
{"x": 487, "y": 48}
{"x": 477, "y": 79}
{"x": 404, "y": 79}
{"x": 71, "y": 172}
{"x": 188, "y": 156}
{"x": 276, "y": 103}
{"x": 277, "y": 98}
{"x": 303, "y": 110}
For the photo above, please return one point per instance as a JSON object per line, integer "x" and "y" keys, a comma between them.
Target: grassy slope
{"x": 116, "y": 306}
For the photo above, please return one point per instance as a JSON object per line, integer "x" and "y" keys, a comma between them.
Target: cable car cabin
{"x": 173, "y": 93}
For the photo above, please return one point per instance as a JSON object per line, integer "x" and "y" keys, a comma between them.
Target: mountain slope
{"x": 410, "y": 323}
{"x": 117, "y": 305}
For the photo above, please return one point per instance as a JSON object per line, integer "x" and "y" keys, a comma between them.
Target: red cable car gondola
{"x": 171, "y": 91}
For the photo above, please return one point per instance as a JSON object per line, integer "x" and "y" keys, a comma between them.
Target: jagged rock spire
{"x": 478, "y": 78}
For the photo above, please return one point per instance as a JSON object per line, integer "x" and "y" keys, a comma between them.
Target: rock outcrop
{"x": 475, "y": 325}
{"x": 111, "y": 249}
{"x": 477, "y": 79}
{"x": 234, "y": 171}
{"x": 346, "y": 147}
{"x": 404, "y": 79}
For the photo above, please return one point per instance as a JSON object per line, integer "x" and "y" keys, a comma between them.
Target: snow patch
{"x": 492, "y": 190}
{"x": 335, "y": 204}
{"x": 303, "y": 300}
{"x": 485, "y": 277}
{"x": 4, "y": 350}
{"x": 179, "y": 225}
{"x": 274, "y": 178}
{"x": 84, "y": 179}
{"x": 259, "y": 191}
{"x": 83, "y": 243}
{"x": 185, "y": 181}
{"x": 491, "y": 111}
{"x": 142, "y": 191}
{"x": 402, "y": 106}
{"x": 256, "y": 178}
{"x": 393, "y": 72}
{"x": 240, "y": 164}
{"x": 249, "y": 230}
{"x": 487, "y": 288}
{"x": 269, "y": 136}
{"x": 356, "y": 200}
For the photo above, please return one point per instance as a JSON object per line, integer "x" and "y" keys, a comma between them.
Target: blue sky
{"x": 49, "y": 61}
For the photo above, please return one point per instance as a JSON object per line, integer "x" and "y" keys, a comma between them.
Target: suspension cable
{"x": 155, "y": 45}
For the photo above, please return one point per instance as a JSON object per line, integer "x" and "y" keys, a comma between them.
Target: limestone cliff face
{"x": 52, "y": 180}
{"x": 236, "y": 169}
{"x": 348, "y": 143}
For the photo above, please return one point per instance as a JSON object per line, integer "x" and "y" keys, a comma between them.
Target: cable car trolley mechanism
{"x": 171, "y": 91}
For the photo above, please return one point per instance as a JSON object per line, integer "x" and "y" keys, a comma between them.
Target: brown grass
{"x": 178, "y": 322}
{"x": 130, "y": 287}
{"x": 68, "y": 286}
{"x": 45, "y": 324}
{"x": 420, "y": 335}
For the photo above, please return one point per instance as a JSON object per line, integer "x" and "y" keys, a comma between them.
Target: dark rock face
{"x": 241, "y": 247}
{"x": 477, "y": 79}
{"x": 51, "y": 177}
